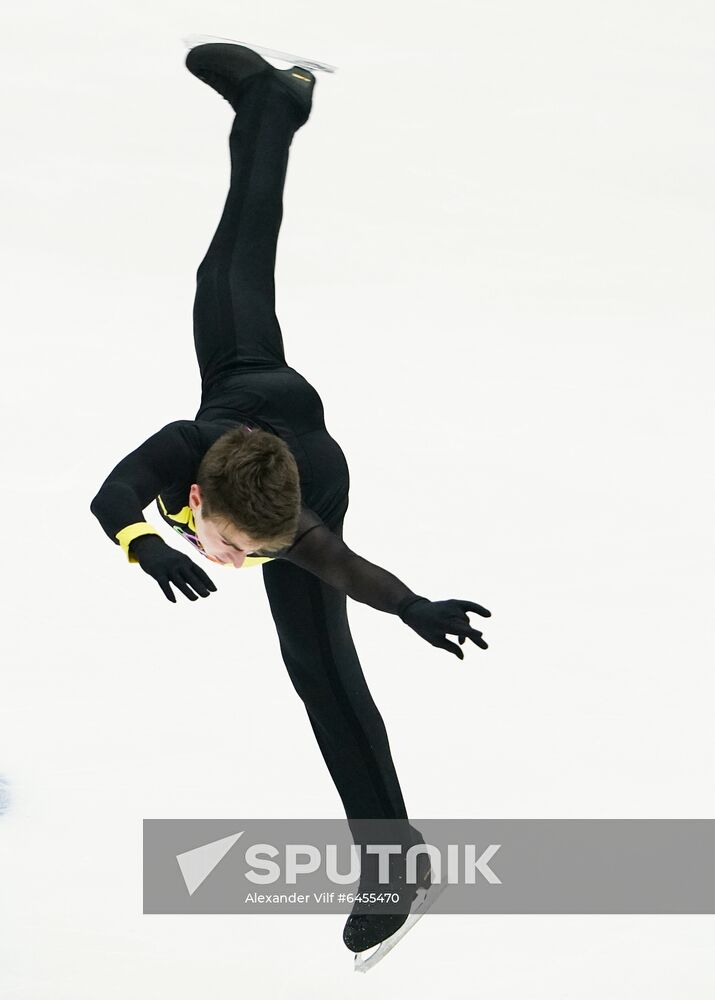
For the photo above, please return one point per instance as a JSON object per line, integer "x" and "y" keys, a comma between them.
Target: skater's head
{"x": 246, "y": 496}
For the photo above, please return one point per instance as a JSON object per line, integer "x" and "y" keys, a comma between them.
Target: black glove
{"x": 431, "y": 619}
{"x": 167, "y": 566}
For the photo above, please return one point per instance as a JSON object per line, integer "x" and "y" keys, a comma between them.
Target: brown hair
{"x": 250, "y": 479}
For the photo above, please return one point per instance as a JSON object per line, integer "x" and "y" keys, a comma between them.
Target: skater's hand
{"x": 168, "y": 566}
{"x": 432, "y": 619}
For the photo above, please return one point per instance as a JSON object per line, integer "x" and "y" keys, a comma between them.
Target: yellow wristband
{"x": 132, "y": 531}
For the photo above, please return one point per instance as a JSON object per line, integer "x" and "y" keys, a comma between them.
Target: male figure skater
{"x": 256, "y": 478}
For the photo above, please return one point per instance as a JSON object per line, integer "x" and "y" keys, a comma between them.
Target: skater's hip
{"x": 280, "y": 400}
{"x": 277, "y": 394}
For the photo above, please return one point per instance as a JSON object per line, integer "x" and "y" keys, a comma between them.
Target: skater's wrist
{"x": 406, "y": 603}
{"x": 145, "y": 542}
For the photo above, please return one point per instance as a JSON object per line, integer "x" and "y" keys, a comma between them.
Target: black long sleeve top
{"x": 163, "y": 468}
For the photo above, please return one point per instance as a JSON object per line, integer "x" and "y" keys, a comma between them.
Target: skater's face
{"x": 222, "y": 542}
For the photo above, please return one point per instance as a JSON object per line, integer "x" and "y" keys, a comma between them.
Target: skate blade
{"x": 191, "y": 41}
{"x": 423, "y": 901}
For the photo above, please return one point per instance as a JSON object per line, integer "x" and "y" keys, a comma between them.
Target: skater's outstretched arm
{"x": 138, "y": 479}
{"x": 165, "y": 457}
{"x": 323, "y": 553}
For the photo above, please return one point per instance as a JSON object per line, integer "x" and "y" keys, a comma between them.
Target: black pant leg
{"x": 323, "y": 665}
{"x": 235, "y": 324}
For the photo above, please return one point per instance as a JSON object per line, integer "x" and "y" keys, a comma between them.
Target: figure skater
{"x": 256, "y": 479}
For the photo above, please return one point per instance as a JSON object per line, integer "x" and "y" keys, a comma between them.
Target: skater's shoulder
{"x": 176, "y": 434}
{"x": 195, "y": 436}
{"x": 181, "y": 424}
{"x": 189, "y": 431}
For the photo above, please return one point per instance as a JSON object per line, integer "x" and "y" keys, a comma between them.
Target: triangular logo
{"x": 197, "y": 864}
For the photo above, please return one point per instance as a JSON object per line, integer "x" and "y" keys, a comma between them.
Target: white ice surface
{"x": 496, "y": 267}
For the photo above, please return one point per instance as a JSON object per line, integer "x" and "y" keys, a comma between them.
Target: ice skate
{"x": 365, "y": 930}
{"x": 313, "y": 64}
{"x": 367, "y": 959}
{"x": 228, "y": 68}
